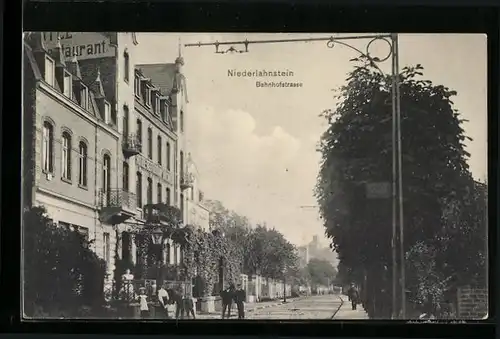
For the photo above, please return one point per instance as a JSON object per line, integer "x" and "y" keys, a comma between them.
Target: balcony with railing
{"x": 161, "y": 213}
{"x": 187, "y": 180}
{"x": 131, "y": 145}
{"x": 116, "y": 206}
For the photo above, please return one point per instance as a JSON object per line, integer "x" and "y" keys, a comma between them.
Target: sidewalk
{"x": 249, "y": 308}
{"x": 346, "y": 312}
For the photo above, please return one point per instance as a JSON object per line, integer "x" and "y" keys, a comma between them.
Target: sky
{"x": 255, "y": 148}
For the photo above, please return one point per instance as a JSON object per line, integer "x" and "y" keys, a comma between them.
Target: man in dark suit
{"x": 239, "y": 298}
{"x": 227, "y": 297}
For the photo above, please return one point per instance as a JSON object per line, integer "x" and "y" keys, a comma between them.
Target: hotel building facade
{"x": 101, "y": 137}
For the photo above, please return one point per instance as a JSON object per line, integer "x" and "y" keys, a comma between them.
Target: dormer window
{"x": 137, "y": 85}
{"x": 107, "y": 113}
{"x": 49, "y": 75}
{"x": 148, "y": 96}
{"x": 163, "y": 110}
{"x": 68, "y": 84}
{"x": 84, "y": 97}
{"x": 157, "y": 107}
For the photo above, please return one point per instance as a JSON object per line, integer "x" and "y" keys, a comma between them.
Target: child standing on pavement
{"x": 143, "y": 302}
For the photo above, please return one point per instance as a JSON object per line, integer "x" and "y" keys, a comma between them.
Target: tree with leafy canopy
{"x": 260, "y": 249}
{"x": 321, "y": 272}
{"x": 61, "y": 273}
{"x": 356, "y": 150}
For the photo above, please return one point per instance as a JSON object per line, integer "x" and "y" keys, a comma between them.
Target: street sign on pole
{"x": 378, "y": 190}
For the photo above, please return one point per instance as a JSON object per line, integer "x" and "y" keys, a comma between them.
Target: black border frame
{"x": 235, "y": 17}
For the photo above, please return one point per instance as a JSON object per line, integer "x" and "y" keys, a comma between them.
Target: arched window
{"x": 167, "y": 198}
{"x": 181, "y": 164}
{"x": 48, "y": 147}
{"x": 126, "y": 66}
{"x": 159, "y": 193}
{"x": 182, "y": 121}
{"x": 82, "y": 164}
{"x": 150, "y": 191}
{"x": 66, "y": 156}
{"x": 138, "y": 189}
{"x": 159, "y": 149}
{"x": 139, "y": 130}
{"x": 168, "y": 156}
{"x": 125, "y": 176}
{"x": 125, "y": 121}
{"x": 106, "y": 176}
{"x": 150, "y": 143}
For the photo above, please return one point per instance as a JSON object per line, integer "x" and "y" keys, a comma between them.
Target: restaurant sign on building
{"x": 86, "y": 45}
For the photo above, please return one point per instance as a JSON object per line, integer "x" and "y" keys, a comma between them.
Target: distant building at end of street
{"x": 303, "y": 252}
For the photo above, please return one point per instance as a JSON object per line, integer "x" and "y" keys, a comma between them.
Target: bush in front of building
{"x": 63, "y": 277}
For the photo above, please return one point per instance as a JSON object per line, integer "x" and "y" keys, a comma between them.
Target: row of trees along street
{"x": 445, "y": 209}
{"x": 64, "y": 277}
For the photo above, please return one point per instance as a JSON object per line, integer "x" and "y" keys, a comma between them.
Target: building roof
{"x": 32, "y": 62}
{"x": 165, "y": 76}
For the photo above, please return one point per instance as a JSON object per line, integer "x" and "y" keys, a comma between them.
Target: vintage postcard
{"x": 254, "y": 176}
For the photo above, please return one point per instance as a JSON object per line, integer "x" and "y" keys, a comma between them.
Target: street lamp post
{"x": 397, "y": 192}
{"x": 157, "y": 239}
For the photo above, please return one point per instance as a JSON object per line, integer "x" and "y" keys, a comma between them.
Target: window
{"x": 168, "y": 156}
{"x": 139, "y": 130}
{"x": 66, "y": 156}
{"x": 181, "y": 164}
{"x": 126, "y": 246}
{"x": 176, "y": 259}
{"x": 192, "y": 193}
{"x": 84, "y": 100}
{"x": 159, "y": 193}
{"x": 167, "y": 197}
{"x": 138, "y": 189}
{"x": 125, "y": 176}
{"x": 159, "y": 149}
{"x": 48, "y": 147}
{"x": 125, "y": 120}
{"x": 68, "y": 85}
{"x": 137, "y": 85}
{"x": 182, "y": 206}
{"x": 126, "y": 66}
{"x": 157, "y": 104}
{"x": 150, "y": 191}
{"x": 106, "y": 176}
{"x": 107, "y": 248}
{"x": 82, "y": 164}
{"x": 148, "y": 96}
{"x": 49, "y": 71}
{"x": 150, "y": 143}
{"x": 182, "y": 121}
{"x": 107, "y": 113}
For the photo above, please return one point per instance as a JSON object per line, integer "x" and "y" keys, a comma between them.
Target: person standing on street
{"x": 239, "y": 298}
{"x": 227, "y": 300}
{"x": 143, "y": 303}
{"x": 163, "y": 298}
{"x": 353, "y": 294}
